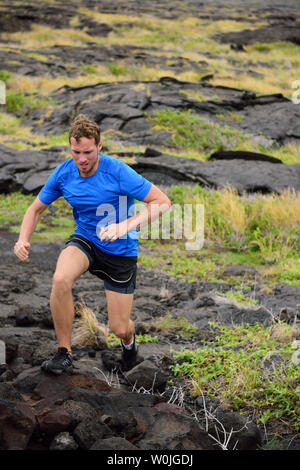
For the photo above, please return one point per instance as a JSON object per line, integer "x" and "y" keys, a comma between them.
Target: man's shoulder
{"x": 65, "y": 167}
{"x": 109, "y": 160}
{"x": 111, "y": 164}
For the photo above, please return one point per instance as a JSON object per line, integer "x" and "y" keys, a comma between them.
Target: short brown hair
{"x": 81, "y": 126}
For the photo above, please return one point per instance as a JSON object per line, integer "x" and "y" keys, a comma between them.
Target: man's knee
{"x": 61, "y": 283}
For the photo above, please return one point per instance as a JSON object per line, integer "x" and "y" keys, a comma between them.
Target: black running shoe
{"x": 129, "y": 356}
{"x": 61, "y": 362}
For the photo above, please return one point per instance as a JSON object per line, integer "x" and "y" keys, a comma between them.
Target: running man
{"x": 101, "y": 190}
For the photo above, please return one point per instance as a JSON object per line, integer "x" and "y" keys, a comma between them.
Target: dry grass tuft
{"x": 284, "y": 210}
{"x": 87, "y": 330}
{"x": 46, "y": 84}
{"x": 48, "y": 37}
{"x": 282, "y": 334}
{"x": 164, "y": 293}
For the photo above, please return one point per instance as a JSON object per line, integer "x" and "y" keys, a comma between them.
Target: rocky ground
{"x": 100, "y": 406}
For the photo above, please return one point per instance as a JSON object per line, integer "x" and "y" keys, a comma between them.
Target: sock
{"x": 129, "y": 346}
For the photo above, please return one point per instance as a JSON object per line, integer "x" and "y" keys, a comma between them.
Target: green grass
{"x": 240, "y": 298}
{"x": 178, "y": 263}
{"x": 180, "y": 326}
{"x": 89, "y": 69}
{"x": 15, "y": 102}
{"x": 230, "y": 368}
{"x": 189, "y": 131}
{"x": 113, "y": 341}
{"x": 194, "y": 137}
{"x": 288, "y": 154}
{"x": 269, "y": 224}
{"x": 231, "y": 117}
{"x": 261, "y": 233}
{"x": 15, "y": 134}
{"x": 20, "y": 104}
{"x": 209, "y": 264}
{"x": 57, "y": 140}
{"x": 4, "y": 76}
{"x": 288, "y": 49}
{"x": 9, "y": 125}
{"x": 117, "y": 69}
{"x": 13, "y": 207}
{"x": 54, "y": 225}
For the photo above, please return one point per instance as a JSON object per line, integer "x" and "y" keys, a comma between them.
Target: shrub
{"x": 20, "y": 104}
{"x": 117, "y": 69}
{"x": 4, "y": 75}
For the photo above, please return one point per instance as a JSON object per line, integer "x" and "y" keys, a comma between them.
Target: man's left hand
{"x": 113, "y": 231}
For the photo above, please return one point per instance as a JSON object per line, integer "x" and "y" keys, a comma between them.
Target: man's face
{"x": 85, "y": 155}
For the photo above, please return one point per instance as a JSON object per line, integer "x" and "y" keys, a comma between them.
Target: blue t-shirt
{"x": 101, "y": 199}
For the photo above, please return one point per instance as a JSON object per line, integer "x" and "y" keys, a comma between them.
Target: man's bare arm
{"x": 157, "y": 203}
{"x": 28, "y": 226}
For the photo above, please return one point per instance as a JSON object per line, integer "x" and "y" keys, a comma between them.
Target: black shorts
{"x": 118, "y": 272}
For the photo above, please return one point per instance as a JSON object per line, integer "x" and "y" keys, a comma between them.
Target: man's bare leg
{"x": 119, "y": 308}
{"x": 71, "y": 263}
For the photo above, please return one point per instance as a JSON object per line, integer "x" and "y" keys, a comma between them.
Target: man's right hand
{"x": 21, "y": 250}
